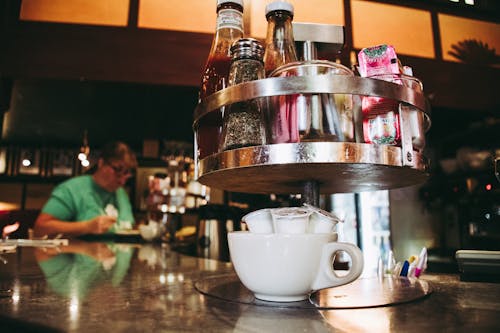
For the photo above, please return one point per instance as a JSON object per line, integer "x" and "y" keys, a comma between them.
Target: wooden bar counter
{"x": 133, "y": 287}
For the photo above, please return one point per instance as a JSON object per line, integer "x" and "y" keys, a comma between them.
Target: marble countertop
{"x": 98, "y": 287}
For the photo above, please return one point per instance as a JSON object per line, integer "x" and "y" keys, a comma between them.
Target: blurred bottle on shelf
{"x": 157, "y": 200}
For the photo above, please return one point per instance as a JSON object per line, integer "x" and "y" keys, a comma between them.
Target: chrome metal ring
{"x": 322, "y": 84}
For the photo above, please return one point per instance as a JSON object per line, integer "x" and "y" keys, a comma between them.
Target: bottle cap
{"x": 238, "y": 2}
{"x": 279, "y": 5}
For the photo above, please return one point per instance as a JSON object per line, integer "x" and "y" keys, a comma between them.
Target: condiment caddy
{"x": 323, "y": 131}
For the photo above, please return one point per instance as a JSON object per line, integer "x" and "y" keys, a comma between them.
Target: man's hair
{"x": 118, "y": 151}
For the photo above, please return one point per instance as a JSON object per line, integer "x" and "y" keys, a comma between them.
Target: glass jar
{"x": 381, "y": 116}
{"x": 313, "y": 117}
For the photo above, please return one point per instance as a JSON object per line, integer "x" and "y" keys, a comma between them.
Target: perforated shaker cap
{"x": 247, "y": 48}
{"x": 239, "y": 2}
{"x": 279, "y": 5}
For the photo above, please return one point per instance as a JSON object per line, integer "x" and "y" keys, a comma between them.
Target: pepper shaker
{"x": 243, "y": 123}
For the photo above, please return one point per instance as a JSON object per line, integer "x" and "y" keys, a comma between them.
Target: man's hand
{"x": 101, "y": 224}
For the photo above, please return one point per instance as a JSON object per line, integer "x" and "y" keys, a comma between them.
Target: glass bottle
{"x": 281, "y": 113}
{"x": 280, "y": 45}
{"x": 243, "y": 125}
{"x": 229, "y": 28}
{"x": 157, "y": 197}
{"x": 418, "y": 123}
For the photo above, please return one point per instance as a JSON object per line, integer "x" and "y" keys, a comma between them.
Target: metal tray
{"x": 337, "y": 167}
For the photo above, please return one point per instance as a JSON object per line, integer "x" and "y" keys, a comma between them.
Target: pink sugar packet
{"x": 380, "y": 59}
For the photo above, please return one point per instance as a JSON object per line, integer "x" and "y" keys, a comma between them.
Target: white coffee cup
{"x": 287, "y": 267}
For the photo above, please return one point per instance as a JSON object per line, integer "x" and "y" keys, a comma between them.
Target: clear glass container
{"x": 310, "y": 117}
{"x": 381, "y": 116}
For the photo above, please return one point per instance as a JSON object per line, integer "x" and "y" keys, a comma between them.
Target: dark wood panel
{"x": 45, "y": 50}
{"x": 458, "y": 86}
{"x": 57, "y": 112}
{"x": 41, "y": 50}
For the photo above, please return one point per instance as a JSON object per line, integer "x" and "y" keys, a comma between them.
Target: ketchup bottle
{"x": 229, "y": 28}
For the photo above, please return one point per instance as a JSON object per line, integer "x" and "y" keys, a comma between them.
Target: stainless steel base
{"x": 336, "y": 167}
{"x": 362, "y": 293}
{"x": 371, "y": 292}
{"x": 228, "y": 287}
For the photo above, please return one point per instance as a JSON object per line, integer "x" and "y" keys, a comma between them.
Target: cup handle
{"x": 326, "y": 276}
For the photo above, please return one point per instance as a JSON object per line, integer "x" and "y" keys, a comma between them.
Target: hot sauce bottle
{"x": 229, "y": 28}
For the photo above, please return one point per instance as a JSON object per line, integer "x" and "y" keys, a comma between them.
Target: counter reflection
{"x": 73, "y": 271}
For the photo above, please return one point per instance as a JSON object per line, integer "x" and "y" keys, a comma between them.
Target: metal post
{"x": 310, "y": 194}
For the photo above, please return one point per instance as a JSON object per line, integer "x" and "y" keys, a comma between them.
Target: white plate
{"x": 131, "y": 232}
{"x": 5, "y": 248}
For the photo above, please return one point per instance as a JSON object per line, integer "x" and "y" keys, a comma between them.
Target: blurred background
{"x": 75, "y": 74}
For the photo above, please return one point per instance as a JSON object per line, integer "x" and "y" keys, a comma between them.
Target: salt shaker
{"x": 242, "y": 123}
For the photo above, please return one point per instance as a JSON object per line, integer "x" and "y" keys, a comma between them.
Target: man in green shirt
{"x": 92, "y": 204}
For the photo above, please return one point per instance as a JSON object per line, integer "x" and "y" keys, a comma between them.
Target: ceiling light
{"x": 84, "y": 149}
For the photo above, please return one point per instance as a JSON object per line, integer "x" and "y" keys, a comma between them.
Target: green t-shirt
{"x": 81, "y": 199}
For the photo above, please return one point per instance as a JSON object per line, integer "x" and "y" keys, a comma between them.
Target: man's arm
{"x": 48, "y": 225}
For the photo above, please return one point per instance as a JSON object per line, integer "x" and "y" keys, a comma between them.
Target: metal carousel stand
{"x": 314, "y": 168}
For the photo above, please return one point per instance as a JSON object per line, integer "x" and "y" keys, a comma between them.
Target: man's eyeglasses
{"x": 120, "y": 170}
